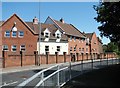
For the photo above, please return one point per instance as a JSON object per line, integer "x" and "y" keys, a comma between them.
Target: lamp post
{"x": 39, "y": 35}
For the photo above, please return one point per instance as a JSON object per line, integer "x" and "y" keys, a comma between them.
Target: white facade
{"x": 52, "y": 47}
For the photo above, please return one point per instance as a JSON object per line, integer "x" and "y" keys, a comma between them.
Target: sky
{"x": 80, "y": 14}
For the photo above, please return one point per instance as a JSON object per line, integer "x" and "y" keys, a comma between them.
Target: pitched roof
{"x": 20, "y": 20}
{"x": 42, "y": 26}
{"x": 89, "y": 35}
{"x": 51, "y": 27}
{"x": 1, "y": 22}
{"x": 99, "y": 40}
{"x": 69, "y": 29}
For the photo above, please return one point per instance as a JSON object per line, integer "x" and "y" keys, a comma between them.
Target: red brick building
{"x": 17, "y": 36}
{"x": 93, "y": 43}
{"x": 76, "y": 40}
{"x": 100, "y": 45}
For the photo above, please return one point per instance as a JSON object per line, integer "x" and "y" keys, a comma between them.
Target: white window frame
{"x": 6, "y": 34}
{"x": 58, "y": 48}
{"x": 16, "y": 34}
{"x": 4, "y": 46}
{"x": 12, "y": 48}
{"x": 22, "y": 47}
{"x": 19, "y": 34}
{"x": 47, "y": 35}
{"x": 46, "y": 47}
{"x": 58, "y": 36}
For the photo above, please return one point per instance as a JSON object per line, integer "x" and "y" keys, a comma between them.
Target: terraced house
{"x": 17, "y": 36}
{"x": 76, "y": 40}
{"x": 51, "y": 37}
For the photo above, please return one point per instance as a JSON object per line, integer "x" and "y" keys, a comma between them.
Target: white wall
{"x": 52, "y": 47}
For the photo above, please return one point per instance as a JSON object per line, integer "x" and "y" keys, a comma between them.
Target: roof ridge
{"x": 20, "y": 20}
{"x": 55, "y": 23}
{"x": 77, "y": 29}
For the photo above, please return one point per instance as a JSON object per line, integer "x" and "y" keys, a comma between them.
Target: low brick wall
{"x": 23, "y": 58}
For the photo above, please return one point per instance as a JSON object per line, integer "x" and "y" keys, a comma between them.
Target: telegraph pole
{"x": 39, "y": 38}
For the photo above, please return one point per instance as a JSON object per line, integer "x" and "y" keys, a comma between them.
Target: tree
{"x": 109, "y": 18}
{"x": 110, "y": 47}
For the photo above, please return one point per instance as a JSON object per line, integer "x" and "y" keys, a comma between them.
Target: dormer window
{"x": 46, "y": 35}
{"x": 58, "y": 34}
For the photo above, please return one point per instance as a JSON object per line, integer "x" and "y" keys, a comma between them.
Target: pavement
{"x": 12, "y": 76}
{"x": 34, "y": 67}
{"x": 24, "y": 68}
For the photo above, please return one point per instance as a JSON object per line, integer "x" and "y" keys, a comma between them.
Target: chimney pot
{"x": 61, "y": 20}
{"x": 35, "y": 20}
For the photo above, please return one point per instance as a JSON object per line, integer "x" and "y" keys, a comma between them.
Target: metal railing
{"x": 59, "y": 74}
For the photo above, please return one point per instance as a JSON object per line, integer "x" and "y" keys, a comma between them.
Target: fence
{"x": 32, "y": 58}
{"x": 59, "y": 74}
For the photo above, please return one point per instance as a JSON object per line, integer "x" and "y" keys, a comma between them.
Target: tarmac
{"x": 107, "y": 77}
{"x": 33, "y": 67}
{"x": 24, "y": 68}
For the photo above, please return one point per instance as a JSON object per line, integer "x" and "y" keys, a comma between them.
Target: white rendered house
{"x": 52, "y": 40}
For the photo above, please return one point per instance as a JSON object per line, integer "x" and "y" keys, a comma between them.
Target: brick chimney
{"x": 61, "y": 20}
{"x": 35, "y": 20}
{"x": 83, "y": 33}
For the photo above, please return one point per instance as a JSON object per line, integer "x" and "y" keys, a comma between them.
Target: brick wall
{"x": 22, "y": 59}
{"x": 79, "y": 44}
{"x": 94, "y": 44}
{"x": 29, "y": 39}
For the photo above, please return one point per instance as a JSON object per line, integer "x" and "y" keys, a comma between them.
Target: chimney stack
{"x": 35, "y": 20}
{"x": 61, "y": 20}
